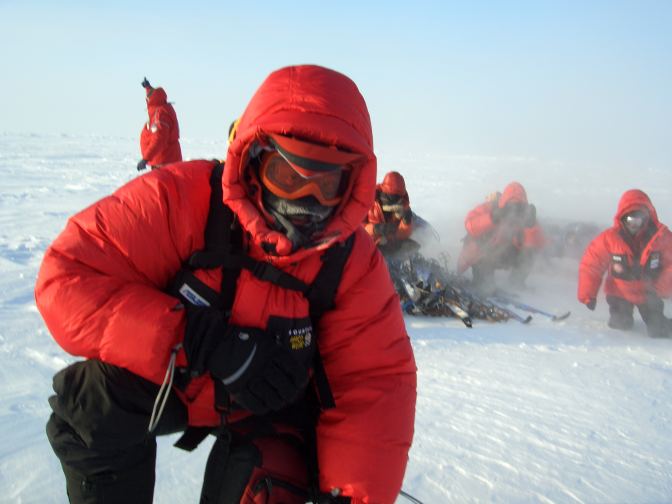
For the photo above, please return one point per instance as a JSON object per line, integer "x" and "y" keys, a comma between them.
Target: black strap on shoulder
{"x": 223, "y": 238}
{"x": 321, "y": 296}
{"x": 220, "y": 217}
{"x": 322, "y": 291}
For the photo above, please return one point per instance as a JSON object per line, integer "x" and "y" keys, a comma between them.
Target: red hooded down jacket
{"x": 160, "y": 137}
{"x": 483, "y": 234}
{"x": 393, "y": 183}
{"x": 100, "y": 287}
{"x": 630, "y": 275}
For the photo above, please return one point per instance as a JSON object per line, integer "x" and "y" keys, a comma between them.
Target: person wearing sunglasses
{"x": 390, "y": 220}
{"x": 636, "y": 255}
{"x": 301, "y": 185}
{"x": 502, "y": 233}
{"x": 243, "y": 300}
{"x": 160, "y": 136}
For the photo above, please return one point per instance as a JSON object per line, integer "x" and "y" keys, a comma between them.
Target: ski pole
{"x": 410, "y": 497}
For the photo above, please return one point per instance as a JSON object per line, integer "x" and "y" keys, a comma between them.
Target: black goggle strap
{"x": 308, "y": 164}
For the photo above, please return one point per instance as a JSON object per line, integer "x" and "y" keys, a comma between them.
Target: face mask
{"x": 301, "y": 218}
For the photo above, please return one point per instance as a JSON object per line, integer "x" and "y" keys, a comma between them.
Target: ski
{"x": 484, "y": 308}
{"x": 514, "y": 315}
{"x": 425, "y": 287}
{"x": 521, "y": 319}
{"x": 421, "y": 302}
{"x": 460, "y": 313}
{"x": 532, "y": 309}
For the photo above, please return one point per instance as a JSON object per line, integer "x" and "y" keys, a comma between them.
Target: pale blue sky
{"x": 587, "y": 81}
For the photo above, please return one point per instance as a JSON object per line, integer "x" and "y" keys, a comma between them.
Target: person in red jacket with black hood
{"x": 502, "y": 233}
{"x": 113, "y": 288}
{"x": 160, "y": 137}
{"x": 390, "y": 219}
{"x": 636, "y": 254}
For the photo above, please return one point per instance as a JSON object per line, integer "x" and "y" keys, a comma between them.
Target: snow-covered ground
{"x": 546, "y": 412}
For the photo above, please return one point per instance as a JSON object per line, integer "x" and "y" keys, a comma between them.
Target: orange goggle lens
{"x": 285, "y": 181}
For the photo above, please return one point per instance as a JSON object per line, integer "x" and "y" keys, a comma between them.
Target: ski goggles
{"x": 390, "y": 199}
{"x": 296, "y": 169}
{"x": 635, "y": 220}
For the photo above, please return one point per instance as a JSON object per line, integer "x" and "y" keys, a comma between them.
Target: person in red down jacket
{"x": 160, "y": 137}
{"x": 636, "y": 254}
{"x": 502, "y": 233}
{"x": 390, "y": 219}
{"x": 148, "y": 295}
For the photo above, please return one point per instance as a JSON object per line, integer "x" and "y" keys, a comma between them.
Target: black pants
{"x": 98, "y": 430}
{"x": 399, "y": 249}
{"x": 621, "y": 315}
{"x": 520, "y": 263}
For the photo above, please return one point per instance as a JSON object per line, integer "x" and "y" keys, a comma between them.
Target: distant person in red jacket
{"x": 255, "y": 292}
{"x": 502, "y": 233}
{"x": 390, "y": 219}
{"x": 636, "y": 254}
{"x": 160, "y": 137}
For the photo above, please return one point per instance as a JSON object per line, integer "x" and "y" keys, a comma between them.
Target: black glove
{"x": 530, "y": 216}
{"x": 513, "y": 213}
{"x": 407, "y": 216}
{"x": 384, "y": 228}
{"x": 142, "y": 164}
{"x": 591, "y": 304}
{"x": 204, "y": 330}
{"x": 145, "y": 83}
{"x": 259, "y": 372}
